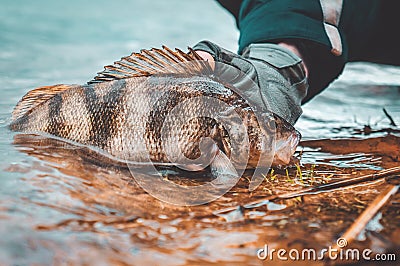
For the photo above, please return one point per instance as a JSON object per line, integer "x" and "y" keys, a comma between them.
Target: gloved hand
{"x": 278, "y": 72}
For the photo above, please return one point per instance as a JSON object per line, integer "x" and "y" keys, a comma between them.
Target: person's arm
{"x": 278, "y": 72}
{"x": 311, "y": 29}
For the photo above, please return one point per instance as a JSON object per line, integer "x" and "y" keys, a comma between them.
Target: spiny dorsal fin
{"x": 35, "y": 97}
{"x": 152, "y": 62}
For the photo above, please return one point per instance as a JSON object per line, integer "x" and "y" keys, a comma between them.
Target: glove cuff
{"x": 218, "y": 53}
{"x": 284, "y": 99}
{"x": 210, "y": 48}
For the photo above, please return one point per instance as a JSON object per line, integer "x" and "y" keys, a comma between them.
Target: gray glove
{"x": 278, "y": 72}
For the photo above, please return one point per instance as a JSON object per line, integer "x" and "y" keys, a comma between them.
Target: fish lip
{"x": 296, "y": 139}
{"x": 284, "y": 151}
{"x": 292, "y": 141}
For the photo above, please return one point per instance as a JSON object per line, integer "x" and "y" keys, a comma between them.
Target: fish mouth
{"x": 285, "y": 148}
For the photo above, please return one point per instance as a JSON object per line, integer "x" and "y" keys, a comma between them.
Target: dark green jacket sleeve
{"x": 363, "y": 30}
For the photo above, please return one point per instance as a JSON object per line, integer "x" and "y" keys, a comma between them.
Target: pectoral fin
{"x": 223, "y": 170}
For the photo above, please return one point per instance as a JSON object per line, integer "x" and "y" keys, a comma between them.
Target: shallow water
{"x": 56, "y": 208}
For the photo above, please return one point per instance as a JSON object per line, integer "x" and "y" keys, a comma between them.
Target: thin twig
{"x": 392, "y": 123}
{"x": 342, "y": 184}
{"x": 361, "y": 222}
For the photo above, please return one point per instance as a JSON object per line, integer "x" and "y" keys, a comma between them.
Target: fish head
{"x": 273, "y": 142}
{"x": 286, "y": 140}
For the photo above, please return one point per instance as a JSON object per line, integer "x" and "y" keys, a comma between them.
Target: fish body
{"x": 146, "y": 108}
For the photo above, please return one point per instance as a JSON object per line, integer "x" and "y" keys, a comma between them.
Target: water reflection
{"x": 100, "y": 208}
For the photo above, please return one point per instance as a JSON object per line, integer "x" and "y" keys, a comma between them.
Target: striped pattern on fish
{"x": 123, "y": 111}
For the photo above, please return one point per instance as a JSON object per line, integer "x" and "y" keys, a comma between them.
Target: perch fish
{"x": 129, "y": 112}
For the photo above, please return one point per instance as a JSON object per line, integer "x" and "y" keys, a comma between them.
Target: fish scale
{"x": 125, "y": 112}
